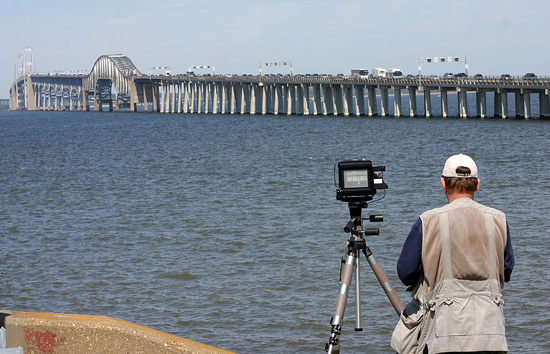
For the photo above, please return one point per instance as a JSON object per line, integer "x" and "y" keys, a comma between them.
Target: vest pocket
{"x": 469, "y": 314}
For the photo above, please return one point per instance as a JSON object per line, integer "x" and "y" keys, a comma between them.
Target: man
{"x": 459, "y": 255}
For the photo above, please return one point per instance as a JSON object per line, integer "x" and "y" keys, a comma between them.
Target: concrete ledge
{"x": 54, "y": 333}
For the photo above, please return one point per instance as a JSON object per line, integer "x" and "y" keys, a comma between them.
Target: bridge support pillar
{"x": 172, "y": 98}
{"x": 348, "y": 101}
{"x": 251, "y": 88}
{"x": 359, "y": 101}
{"x": 179, "y": 87}
{"x": 231, "y": 98}
{"x": 427, "y": 103}
{"x": 518, "y": 99}
{"x": 53, "y": 97}
{"x": 246, "y": 99}
{"x": 169, "y": 107}
{"x": 412, "y": 102}
{"x": 290, "y": 97}
{"x": 384, "y": 102}
{"x": 260, "y": 92}
{"x": 396, "y": 102}
{"x": 207, "y": 97}
{"x": 526, "y": 104}
{"x": 305, "y": 99}
{"x": 462, "y": 102}
{"x": 280, "y": 100}
{"x": 193, "y": 92}
{"x": 215, "y": 98}
{"x": 544, "y": 104}
{"x": 496, "y": 104}
{"x": 71, "y": 106}
{"x": 85, "y": 107}
{"x": 328, "y": 103}
{"x": 145, "y": 101}
{"x": 31, "y": 104}
{"x": 444, "y": 102}
{"x": 133, "y": 96}
{"x": 373, "y": 106}
{"x": 504, "y": 104}
{"x": 241, "y": 99}
{"x": 47, "y": 97}
{"x": 186, "y": 88}
{"x": 300, "y": 99}
{"x": 163, "y": 94}
{"x": 295, "y": 100}
{"x": 317, "y": 106}
{"x": 272, "y": 102}
{"x": 481, "y": 103}
{"x": 78, "y": 98}
{"x": 155, "y": 97}
{"x": 199, "y": 96}
{"x": 263, "y": 98}
{"x": 223, "y": 97}
{"x": 337, "y": 94}
{"x": 61, "y": 96}
{"x": 13, "y": 97}
{"x": 501, "y": 104}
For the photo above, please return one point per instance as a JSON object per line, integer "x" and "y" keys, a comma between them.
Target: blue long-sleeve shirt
{"x": 409, "y": 264}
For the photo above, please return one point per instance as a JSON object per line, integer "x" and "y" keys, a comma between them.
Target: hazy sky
{"x": 496, "y": 37}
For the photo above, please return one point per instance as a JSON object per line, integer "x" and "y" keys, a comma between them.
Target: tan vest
{"x": 463, "y": 259}
{"x": 471, "y": 257}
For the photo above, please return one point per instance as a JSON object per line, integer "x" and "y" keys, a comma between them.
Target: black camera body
{"x": 358, "y": 180}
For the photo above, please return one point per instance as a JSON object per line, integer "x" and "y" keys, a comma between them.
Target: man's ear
{"x": 443, "y": 184}
{"x": 478, "y": 184}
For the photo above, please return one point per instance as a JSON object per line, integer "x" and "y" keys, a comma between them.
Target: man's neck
{"x": 455, "y": 196}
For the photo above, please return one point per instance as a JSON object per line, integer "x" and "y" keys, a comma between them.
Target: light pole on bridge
{"x": 284, "y": 63}
{"x": 166, "y": 68}
{"x": 203, "y": 67}
{"x": 441, "y": 60}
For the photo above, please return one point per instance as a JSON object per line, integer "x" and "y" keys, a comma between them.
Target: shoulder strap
{"x": 445, "y": 245}
{"x": 490, "y": 225}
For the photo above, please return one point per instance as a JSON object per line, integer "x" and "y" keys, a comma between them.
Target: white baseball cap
{"x": 456, "y": 161}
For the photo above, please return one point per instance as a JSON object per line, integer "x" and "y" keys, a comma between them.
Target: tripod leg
{"x": 358, "y": 326}
{"x": 385, "y": 282}
{"x": 333, "y": 345}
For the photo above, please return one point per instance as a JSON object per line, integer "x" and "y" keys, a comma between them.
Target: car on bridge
{"x": 506, "y": 77}
{"x": 530, "y": 76}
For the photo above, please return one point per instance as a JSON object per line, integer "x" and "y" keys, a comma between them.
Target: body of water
{"x": 226, "y": 230}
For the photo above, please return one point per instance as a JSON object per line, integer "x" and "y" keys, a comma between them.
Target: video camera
{"x": 358, "y": 180}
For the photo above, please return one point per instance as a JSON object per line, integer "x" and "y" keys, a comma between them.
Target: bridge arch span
{"x": 116, "y": 67}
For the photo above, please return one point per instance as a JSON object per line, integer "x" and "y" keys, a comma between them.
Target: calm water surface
{"x": 226, "y": 230}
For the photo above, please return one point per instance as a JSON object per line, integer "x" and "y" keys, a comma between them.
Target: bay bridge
{"x": 115, "y": 83}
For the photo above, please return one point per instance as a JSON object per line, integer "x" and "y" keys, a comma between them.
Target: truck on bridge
{"x": 381, "y": 72}
{"x": 362, "y": 73}
{"x": 396, "y": 73}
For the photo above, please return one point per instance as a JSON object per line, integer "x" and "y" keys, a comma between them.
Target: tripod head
{"x": 356, "y": 220}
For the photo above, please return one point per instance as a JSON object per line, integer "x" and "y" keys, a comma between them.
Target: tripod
{"x": 350, "y": 261}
